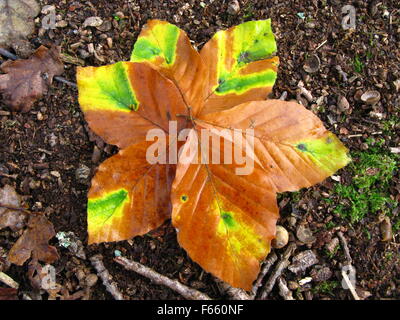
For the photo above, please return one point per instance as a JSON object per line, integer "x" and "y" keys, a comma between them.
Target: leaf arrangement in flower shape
{"x": 225, "y": 221}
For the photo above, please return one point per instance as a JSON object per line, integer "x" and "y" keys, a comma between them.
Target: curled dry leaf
{"x": 26, "y": 81}
{"x": 34, "y": 242}
{"x": 16, "y": 19}
{"x": 16, "y": 218}
{"x": 225, "y": 220}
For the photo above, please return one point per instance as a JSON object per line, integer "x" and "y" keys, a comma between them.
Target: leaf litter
{"x": 26, "y": 81}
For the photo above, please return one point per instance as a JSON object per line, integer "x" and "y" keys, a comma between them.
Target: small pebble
{"x": 233, "y": 7}
{"x": 117, "y": 253}
{"x": 93, "y": 22}
{"x": 281, "y": 238}
{"x": 302, "y": 261}
{"x": 386, "y": 229}
{"x": 305, "y": 235}
{"x": 343, "y": 104}
{"x": 332, "y": 245}
{"x": 82, "y": 173}
{"x": 91, "y": 280}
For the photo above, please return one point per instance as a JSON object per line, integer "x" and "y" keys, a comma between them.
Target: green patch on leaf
{"x": 106, "y": 88}
{"x": 145, "y": 50}
{"x": 160, "y": 41}
{"x": 326, "y": 152}
{"x": 101, "y": 210}
{"x": 252, "y": 41}
{"x": 228, "y": 219}
{"x": 241, "y": 84}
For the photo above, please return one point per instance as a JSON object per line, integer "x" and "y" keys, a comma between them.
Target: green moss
{"x": 369, "y": 191}
{"x": 358, "y": 64}
{"x": 326, "y": 287}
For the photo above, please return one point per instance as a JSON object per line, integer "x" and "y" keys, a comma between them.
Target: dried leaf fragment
{"x": 27, "y": 80}
{"x": 34, "y": 242}
{"x": 13, "y": 218}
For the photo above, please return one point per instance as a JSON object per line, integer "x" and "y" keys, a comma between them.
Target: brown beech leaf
{"x": 226, "y": 220}
{"x": 129, "y": 196}
{"x": 16, "y": 218}
{"x": 8, "y": 294}
{"x": 291, "y": 143}
{"x": 123, "y": 101}
{"x": 242, "y": 65}
{"x": 26, "y": 81}
{"x": 225, "y": 212}
{"x": 167, "y": 49}
{"x": 16, "y": 19}
{"x": 34, "y": 242}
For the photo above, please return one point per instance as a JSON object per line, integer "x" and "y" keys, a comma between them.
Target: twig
{"x": 14, "y": 208}
{"x": 320, "y": 45}
{"x": 67, "y": 82}
{"x": 304, "y": 92}
{"x": 354, "y": 135}
{"x": 12, "y": 56}
{"x": 284, "y": 290}
{"x": 269, "y": 262}
{"x": 345, "y": 247}
{"x": 12, "y": 176}
{"x": 349, "y": 260}
{"x": 157, "y": 278}
{"x": 234, "y": 293}
{"x": 282, "y": 265}
{"x": 8, "y": 281}
{"x": 8, "y": 54}
{"x": 350, "y": 285}
{"x": 97, "y": 262}
{"x": 283, "y": 96}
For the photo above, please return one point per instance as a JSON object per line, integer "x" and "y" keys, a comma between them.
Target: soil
{"x": 53, "y": 136}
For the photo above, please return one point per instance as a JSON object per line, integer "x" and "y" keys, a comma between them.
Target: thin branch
{"x": 345, "y": 247}
{"x": 8, "y": 54}
{"x": 12, "y": 56}
{"x": 350, "y": 285}
{"x": 349, "y": 260}
{"x": 157, "y": 278}
{"x": 234, "y": 293}
{"x": 111, "y": 287}
{"x": 269, "y": 262}
{"x": 282, "y": 265}
{"x": 14, "y": 208}
{"x": 8, "y": 281}
{"x": 284, "y": 290}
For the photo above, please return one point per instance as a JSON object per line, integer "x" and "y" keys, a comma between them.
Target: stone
{"x": 233, "y": 7}
{"x": 303, "y": 261}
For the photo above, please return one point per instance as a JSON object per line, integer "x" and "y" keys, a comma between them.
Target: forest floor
{"x": 53, "y": 137}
